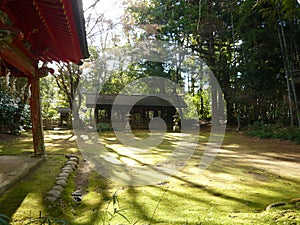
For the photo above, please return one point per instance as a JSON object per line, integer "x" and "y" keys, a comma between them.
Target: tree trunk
{"x": 36, "y": 117}
{"x": 287, "y": 77}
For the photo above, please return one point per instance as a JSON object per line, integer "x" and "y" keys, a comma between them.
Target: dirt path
{"x": 276, "y": 156}
{"x": 82, "y": 176}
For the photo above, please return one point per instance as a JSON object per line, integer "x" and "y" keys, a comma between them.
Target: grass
{"x": 247, "y": 175}
{"x": 26, "y": 200}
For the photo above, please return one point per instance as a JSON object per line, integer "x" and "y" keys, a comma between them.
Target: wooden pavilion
{"x": 142, "y": 108}
{"x": 40, "y": 30}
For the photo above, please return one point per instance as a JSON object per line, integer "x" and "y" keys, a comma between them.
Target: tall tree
{"x": 239, "y": 42}
{"x": 199, "y": 26}
{"x": 284, "y": 15}
{"x": 67, "y": 79}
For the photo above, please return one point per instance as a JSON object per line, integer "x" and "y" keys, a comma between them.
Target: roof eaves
{"x": 80, "y": 26}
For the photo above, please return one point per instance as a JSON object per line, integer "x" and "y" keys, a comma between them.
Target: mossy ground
{"x": 247, "y": 175}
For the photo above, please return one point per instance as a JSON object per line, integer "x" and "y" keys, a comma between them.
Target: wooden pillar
{"x": 36, "y": 117}
{"x": 96, "y": 115}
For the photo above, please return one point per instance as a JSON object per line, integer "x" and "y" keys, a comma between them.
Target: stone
{"x": 76, "y": 193}
{"x": 71, "y": 163}
{"x": 73, "y": 166}
{"x": 77, "y": 199}
{"x": 68, "y": 156}
{"x": 51, "y": 199}
{"x": 69, "y": 167}
{"x": 62, "y": 178}
{"x": 277, "y": 204}
{"x": 58, "y": 188}
{"x": 67, "y": 171}
{"x": 74, "y": 159}
{"x": 61, "y": 183}
{"x": 63, "y": 174}
{"x": 294, "y": 200}
{"x": 55, "y": 193}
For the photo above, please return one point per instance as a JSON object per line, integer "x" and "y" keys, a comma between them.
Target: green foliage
{"x": 47, "y": 220}
{"x": 4, "y": 220}
{"x": 103, "y": 127}
{"x": 239, "y": 41}
{"x": 198, "y": 106}
{"x": 52, "y": 98}
{"x": 273, "y": 131}
{"x": 116, "y": 210}
{"x": 116, "y": 83}
{"x": 14, "y": 115}
{"x": 123, "y": 77}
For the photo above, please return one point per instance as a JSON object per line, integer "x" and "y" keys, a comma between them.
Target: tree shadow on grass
{"x": 32, "y": 187}
{"x": 255, "y": 186}
{"x": 243, "y": 183}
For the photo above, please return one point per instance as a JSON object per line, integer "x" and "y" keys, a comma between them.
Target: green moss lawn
{"x": 246, "y": 176}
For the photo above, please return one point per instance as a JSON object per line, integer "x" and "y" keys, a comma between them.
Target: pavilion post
{"x": 36, "y": 117}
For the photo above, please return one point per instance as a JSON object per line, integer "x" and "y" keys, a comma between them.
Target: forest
{"x": 252, "y": 48}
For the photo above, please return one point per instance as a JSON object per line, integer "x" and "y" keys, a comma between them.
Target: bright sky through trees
{"x": 111, "y": 9}
{"x": 101, "y": 16}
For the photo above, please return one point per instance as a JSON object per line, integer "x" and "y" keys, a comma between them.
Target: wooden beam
{"x": 36, "y": 117}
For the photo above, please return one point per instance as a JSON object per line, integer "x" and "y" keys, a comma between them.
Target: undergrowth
{"x": 273, "y": 131}
{"x": 4, "y": 220}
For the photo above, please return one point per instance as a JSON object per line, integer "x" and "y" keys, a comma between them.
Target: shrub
{"x": 4, "y": 220}
{"x": 261, "y": 130}
{"x": 14, "y": 115}
{"x": 103, "y": 127}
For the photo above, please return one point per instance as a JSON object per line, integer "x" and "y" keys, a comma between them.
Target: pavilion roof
{"x": 46, "y": 30}
{"x": 159, "y": 100}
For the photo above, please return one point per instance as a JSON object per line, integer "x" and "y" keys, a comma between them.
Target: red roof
{"x": 53, "y": 30}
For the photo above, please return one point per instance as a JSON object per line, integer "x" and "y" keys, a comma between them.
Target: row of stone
{"x": 62, "y": 178}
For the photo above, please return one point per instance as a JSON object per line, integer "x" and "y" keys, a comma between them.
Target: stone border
{"x": 295, "y": 201}
{"x": 61, "y": 180}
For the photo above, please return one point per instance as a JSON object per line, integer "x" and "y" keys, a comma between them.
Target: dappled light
{"x": 236, "y": 188}
{"x": 31, "y": 206}
{"x": 143, "y": 112}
